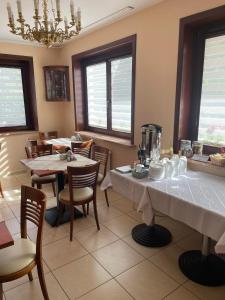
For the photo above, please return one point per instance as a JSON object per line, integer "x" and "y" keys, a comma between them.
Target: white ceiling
{"x": 95, "y": 13}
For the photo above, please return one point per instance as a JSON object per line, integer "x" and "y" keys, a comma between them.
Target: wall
{"x": 49, "y": 114}
{"x": 157, "y": 30}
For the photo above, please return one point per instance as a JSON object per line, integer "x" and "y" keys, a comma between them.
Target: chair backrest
{"x": 32, "y": 143}
{"x": 80, "y": 177}
{"x": 33, "y": 204}
{"x": 83, "y": 148}
{"x": 39, "y": 150}
{"x": 52, "y": 135}
{"x": 101, "y": 154}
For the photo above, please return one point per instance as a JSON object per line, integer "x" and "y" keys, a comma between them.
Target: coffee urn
{"x": 150, "y": 145}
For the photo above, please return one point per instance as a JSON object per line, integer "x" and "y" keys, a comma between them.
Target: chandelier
{"x": 45, "y": 30}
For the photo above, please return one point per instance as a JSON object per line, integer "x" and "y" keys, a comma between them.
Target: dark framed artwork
{"x": 57, "y": 83}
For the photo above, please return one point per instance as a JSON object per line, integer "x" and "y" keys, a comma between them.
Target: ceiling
{"x": 95, "y": 13}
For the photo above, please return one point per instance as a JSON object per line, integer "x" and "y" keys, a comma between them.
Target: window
{"x": 105, "y": 97}
{"x": 200, "y": 95}
{"x": 17, "y": 101}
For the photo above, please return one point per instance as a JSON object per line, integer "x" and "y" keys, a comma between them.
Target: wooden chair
{"x": 83, "y": 148}
{"x": 37, "y": 151}
{"x": 80, "y": 191}
{"x": 32, "y": 143}
{"x": 101, "y": 154}
{"x": 19, "y": 260}
{"x": 48, "y": 135}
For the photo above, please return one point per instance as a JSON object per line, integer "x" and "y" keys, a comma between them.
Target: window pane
{"x": 121, "y": 70}
{"x": 12, "y": 111}
{"x": 96, "y": 95}
{"x": 212, "y": 111}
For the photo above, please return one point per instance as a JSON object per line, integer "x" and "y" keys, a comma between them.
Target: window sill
{"x": 106, "y": 138}
{"x": 10, "y": 133}
{"x": 206, "y": 167}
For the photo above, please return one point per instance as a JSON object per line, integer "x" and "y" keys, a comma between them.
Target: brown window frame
{"x": 25, "y": 63}
{"x": 118, "y": 49}
{"x": 194, "y": 30}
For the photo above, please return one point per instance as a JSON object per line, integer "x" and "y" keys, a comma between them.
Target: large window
{"x": 105, "y": 96}
{"x": 17, "y": 94}
{"x": 200, "y": 97}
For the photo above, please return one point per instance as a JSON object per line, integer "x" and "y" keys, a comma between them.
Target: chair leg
{"x": 53, "y": 188}
{"x": 96, "y": 214}
{"x": 1, "y": 191}
{"x": 30, "y": 276}
{"x": 42, "y": 280}
{"x": 1, "y": 291}
{"x": 71, "y": 222}
{"x": 39, "y": 186}
{"x": 106, "y": 197}
{"x": 84, "y": 210}
{"x": 32, "y": 184}
{"x": 88, "y": 208}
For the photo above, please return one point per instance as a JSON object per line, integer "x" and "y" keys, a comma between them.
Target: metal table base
{"x": 202, "y": 267}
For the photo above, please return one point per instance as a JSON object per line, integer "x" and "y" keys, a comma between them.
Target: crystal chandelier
{"x": 45, "y": 30}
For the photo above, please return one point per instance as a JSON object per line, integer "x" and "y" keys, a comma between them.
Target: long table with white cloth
{"x": 197, "y": 199}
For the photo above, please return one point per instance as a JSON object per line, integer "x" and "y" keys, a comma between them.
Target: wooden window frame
{"x": 25, "y": 63}
{"x": 116, "y": 49}
{"x": 193, "y": 32}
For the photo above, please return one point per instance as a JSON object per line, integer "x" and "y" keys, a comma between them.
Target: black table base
{"x": 151, "y": 236}
{"x": 206, "y": 270}
{"x": 51, "y": 216}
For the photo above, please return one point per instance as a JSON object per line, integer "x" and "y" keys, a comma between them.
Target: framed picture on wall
{"x": 57, "y": 83}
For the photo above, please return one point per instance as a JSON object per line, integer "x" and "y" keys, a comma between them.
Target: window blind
{"x": 12, "y": 110}
{"x": 212, "y": 109}
{"x": 96, "y": 95}
{"x": 121, "y": 89}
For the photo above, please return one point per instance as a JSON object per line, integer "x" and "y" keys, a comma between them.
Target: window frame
{"x": 118, "y": 49}
{"x": 193, "y": 32}
{"x": 25, "y": 64}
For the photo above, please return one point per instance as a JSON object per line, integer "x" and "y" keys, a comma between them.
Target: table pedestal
{"x": 151, "y": 236}
{"x": 202, "y": 267}
{"x": 52, "y": 214}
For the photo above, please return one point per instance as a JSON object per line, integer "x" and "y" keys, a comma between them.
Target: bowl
{"x": 140, "y": 175}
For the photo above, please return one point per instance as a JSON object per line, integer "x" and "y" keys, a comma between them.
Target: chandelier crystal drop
{"x": 46, "y": 29}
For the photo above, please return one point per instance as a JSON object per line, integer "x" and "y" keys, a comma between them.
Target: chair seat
{"x": 43, "y": 179}
{"x": 100, "y": 178}
{"x": 81, "y": 194}
{"x": 17, "y": 257}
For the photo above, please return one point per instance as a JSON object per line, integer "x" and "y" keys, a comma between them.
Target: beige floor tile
{"x": 6, "y": 213}
{"x": 81, "y": 276}
{"x": 9, "y": 182}
{"x": 62, "y": 252}
{"x": 111, "y": 290}
{"x": 15, "y": 209}
{"x": 32, "y": 290}
{"x": 117, "y": 257}
{"x": 123, "y": 205}
{"x": 113, "y": 195}
{"x": 145, "y": 282}
{"x": 12, "y": 284}
{"x": 192, "y": 242}
{"x": 181, "y": 294}
{"x": 167, "y": 261}
{"x": 206, "y": 293}
{"x": 177, "y": 229}
{"x": 13, "y": 225}
{"x": 144, "y": 251}
{"x": 106, "y": 213}
{"x": 13, "y": 196}
{"x": 121, "y": 226}
{"x": 81, "y": 224}
{"x": 136, "y": 215}
{"x": 93, "y": 239}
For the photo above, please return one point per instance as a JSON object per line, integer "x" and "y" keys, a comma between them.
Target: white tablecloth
{"x": 196, "y": 199}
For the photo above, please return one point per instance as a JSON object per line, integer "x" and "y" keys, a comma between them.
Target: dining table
{"x": 6, "y": 239}
{"x": 61, "y": 143}
{"x": 52, "y": 164}
{"x": 196, "y": 199}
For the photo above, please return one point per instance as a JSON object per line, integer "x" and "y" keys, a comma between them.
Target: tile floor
{"x": 105, "y": 264}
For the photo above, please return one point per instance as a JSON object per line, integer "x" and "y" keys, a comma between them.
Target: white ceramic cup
{"x": 157, "y": 171}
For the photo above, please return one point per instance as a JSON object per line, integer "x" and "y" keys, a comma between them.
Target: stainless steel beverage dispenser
{"x": 151, "y": 142}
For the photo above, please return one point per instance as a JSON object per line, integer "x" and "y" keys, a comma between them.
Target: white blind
{"x": 12, "y": 110}
{"x": 96, "y": 95}
{"x": 212, "y": 110}
{"x": 121, "y": 74}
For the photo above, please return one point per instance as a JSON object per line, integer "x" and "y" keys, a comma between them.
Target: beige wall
{"x": 157, "y": 30}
